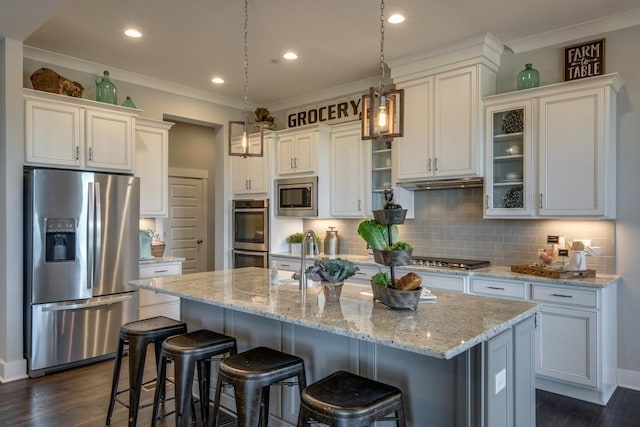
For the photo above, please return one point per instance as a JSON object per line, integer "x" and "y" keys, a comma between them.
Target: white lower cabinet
{"x": 154, "y": 304}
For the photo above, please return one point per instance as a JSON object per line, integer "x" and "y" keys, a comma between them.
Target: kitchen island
{"x": 461, "y": 360}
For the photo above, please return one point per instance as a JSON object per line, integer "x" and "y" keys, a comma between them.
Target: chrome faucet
{"x": 309, "y": 234}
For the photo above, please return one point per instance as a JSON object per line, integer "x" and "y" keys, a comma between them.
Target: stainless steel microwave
{"x": 297, "y": 196}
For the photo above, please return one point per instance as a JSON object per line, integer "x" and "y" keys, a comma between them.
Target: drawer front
{"x": 171, "y": 311}
{"x": 289, "y": 264}
{"x": 156, "y": 270}
{"x": 364, "y": 274}
{"x": 435, "y": 281}
{"x": 147, "y": 298}
{"x": 499, "y": 288}
{"x": 557, "y": 295}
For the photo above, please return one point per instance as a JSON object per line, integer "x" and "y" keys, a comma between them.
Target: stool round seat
{"x": 188, "y": 351}
{"x": 139, "y": 334}
{"x": 344, "y": 399}
{"x": 251, "y": 373}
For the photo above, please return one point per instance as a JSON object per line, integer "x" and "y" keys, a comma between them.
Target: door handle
{"x": 199, "y": 241}
{"x": 429, "y": 167}
{"x": 88, "y": 304}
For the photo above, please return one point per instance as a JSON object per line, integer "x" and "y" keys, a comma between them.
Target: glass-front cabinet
{"x": 509, "y": 151}
{"x": 381, "y": 171}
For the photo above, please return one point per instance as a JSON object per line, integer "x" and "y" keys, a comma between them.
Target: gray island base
{"x": 462, "y": 360}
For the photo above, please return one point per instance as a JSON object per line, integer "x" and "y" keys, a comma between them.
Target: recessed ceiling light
{"x": 133, "y": 33}
{"x": 290, "y": 56}
{"x": 217, "y": 80}
{"x": 396, "y": 18}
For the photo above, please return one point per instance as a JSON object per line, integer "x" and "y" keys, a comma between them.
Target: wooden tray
{"x": 554, "y": 274}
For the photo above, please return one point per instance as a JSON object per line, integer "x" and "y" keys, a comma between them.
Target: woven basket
{"x": 47, "y": 80}
{"x": 157, "y": 249}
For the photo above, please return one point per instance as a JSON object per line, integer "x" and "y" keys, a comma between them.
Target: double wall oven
{"x": 250, "y": 233}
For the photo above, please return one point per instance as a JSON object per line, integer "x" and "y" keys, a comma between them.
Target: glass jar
{"x": 528, "y": 78}
{"x": 105, "y": 90}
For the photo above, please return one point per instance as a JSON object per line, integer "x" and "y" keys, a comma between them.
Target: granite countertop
{"x": 160, "y": 260}
{"x": 442, "y": 329}
{"x": 496, "y": 272}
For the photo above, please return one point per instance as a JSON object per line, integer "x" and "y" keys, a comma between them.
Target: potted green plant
{"x": 295, "y": 242}
{"x": 379, "y": 236}
{"x": 331, "y": 272}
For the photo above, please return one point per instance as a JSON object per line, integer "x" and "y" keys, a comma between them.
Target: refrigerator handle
{"x": 97, "y": 262}
{"x": 109, "y": 301}
{"x": 90, "y": 235}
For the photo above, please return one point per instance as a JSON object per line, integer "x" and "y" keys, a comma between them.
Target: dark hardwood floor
{"x": 79, "y": 398}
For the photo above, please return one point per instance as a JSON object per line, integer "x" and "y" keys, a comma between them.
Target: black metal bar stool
{"x": 187, "y": 351}
{"x": 251, "y": 373}
{"x": 139, "y": 334}
{"x": 344, "y": 399}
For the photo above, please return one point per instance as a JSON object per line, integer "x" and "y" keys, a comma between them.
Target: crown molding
{"x": 341, "y": 91}
{"x": 484, "y": 48}
{"x": 575, "y": 32}
{"x": 60, "y": 60}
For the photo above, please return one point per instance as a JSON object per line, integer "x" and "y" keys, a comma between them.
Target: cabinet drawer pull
{"x": 495, "y": 287}
{"x": 160, "y": 271}
{"x": 284, "y": 265}
{"x": 360, "y": 273}
{"x": 562, "y": 295}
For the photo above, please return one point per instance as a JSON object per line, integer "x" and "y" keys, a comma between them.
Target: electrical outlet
{"x": 501, "y": 380}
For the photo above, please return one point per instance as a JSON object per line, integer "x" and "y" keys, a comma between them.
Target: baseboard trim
{"x": 12, "y": 371}
{"x": 629, "y": 379}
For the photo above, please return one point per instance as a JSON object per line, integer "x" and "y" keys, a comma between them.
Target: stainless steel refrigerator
{"x": 81, "y": 248}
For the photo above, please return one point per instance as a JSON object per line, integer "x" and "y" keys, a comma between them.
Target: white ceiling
{"x": 188, "y": 42}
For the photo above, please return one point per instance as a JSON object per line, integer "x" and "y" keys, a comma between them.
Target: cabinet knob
{"x": 199, "y": 241}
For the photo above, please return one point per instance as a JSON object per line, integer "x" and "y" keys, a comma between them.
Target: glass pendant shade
{"x": 246, "y": 140}
{"x": 382, "y": 114}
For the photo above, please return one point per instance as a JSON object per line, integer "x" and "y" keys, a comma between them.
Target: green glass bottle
{"x": 105, "y": 90}
{"x": 528, "y": 78}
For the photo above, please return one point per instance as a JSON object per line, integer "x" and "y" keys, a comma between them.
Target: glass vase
{"x": 528, "y": 78}
{"x": 105, "y": 90}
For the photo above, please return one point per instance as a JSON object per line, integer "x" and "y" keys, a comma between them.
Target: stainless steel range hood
{"x": 441, "y": 184}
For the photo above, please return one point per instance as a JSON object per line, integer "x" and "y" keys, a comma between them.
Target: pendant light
{"x": 383, "y": 111}
{"x": 243, "y": 147}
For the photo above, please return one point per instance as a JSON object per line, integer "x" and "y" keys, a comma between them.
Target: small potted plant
{"x": 377, "y": 237}
{"x": 331, "y": 272}
{"x": 295, "y": 242}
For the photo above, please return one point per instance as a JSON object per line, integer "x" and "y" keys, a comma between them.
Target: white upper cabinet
{"x": 442, "y": 137}
{"x": 78, "y": 133}
{"x": 348, "y": 175}
{"x": 572, "y": 154}
{"x": 152, "y": 166}
{"x": 443, "y": 119}
{"x": 577, "y": 159}
{"x": 299, "y": 150}
{"x": 252, "y": 175}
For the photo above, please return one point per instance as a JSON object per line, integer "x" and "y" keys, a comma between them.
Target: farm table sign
{"x": 584, "y": 60}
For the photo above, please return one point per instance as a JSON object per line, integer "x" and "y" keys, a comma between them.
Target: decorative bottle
{"x": 105, "y": 90}
{"x": 528, "y": 78}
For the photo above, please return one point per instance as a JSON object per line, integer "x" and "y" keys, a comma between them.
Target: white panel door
{"x": 572, "y": 154}
{"x": 185, "y": 229}
{"x": 109, "y": 139}
{"x": 414, "y": 148}
{"x": 347, "y": 173}
{"x": 456, "y": 123}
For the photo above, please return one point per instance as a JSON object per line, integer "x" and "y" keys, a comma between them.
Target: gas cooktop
{"x": 462, "y": 264}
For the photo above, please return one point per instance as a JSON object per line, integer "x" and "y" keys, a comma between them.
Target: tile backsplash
{"x": 449, "y": 223}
